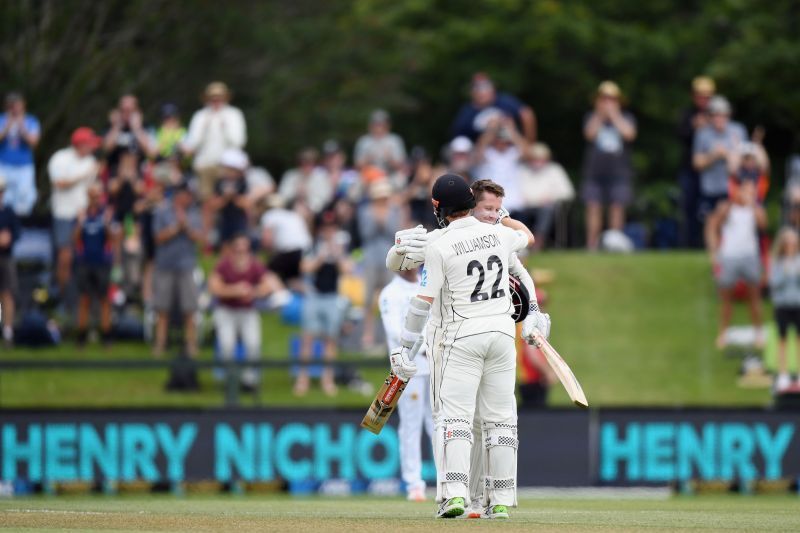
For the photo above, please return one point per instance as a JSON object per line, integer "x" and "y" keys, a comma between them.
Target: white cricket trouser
{"x": 231, "y": 324}
{"x": 414, "y": 408}
{"x": 474, "y": 372}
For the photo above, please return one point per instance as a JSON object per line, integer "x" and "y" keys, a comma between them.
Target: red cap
{"x": 85, "y": 135}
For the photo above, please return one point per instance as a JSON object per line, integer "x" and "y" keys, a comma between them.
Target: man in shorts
{"x": 93, "y": 255}
{"x": 178, "y": 229}
{"x": 732, "y": 240}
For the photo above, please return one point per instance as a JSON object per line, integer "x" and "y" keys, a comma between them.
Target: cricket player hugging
{"x": 465, "y": 300}
{"x": 414, "y": 406}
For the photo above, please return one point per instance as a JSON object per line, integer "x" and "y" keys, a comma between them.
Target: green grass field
{"x": 637, "y": 330}
{"x": 255, "y": 513}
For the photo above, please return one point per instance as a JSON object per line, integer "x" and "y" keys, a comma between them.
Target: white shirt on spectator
{"x": 211, "y": 132}
{"x": 66, "y": 165}
{"x": 384, "y": 151}
{"x": 546, "y": 185}
{"x": 503, "y": 169}
{"x": 314, "y": 189}
{"x": 289, "y": 230}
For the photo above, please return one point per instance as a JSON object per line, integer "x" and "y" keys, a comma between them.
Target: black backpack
{"x": 183, "y": 374}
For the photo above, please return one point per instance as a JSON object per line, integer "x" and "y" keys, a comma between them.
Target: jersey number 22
{"x": 497, "y": 291}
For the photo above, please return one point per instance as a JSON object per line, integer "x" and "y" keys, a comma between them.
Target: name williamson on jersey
{"x": 476, "y": 243}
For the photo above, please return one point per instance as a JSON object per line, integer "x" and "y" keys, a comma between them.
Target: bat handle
{"x": 415, "y": 348}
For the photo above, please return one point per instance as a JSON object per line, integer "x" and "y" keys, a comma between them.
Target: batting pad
{"x": 456, "y": 445}
{"x": 500, "y": 443}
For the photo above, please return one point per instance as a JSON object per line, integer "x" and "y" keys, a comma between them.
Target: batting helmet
{"x": 451, "y": 194}
{"x": 520, "y": 298}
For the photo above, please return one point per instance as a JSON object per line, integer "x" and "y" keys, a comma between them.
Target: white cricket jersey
{"x": 466, "y": 272}
{"x": 394, "y": 301}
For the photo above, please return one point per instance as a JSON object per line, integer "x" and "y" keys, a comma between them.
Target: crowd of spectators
{"x": 134, "y": 207}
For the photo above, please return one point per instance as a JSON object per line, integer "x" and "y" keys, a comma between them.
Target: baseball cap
{"x": 380, "y": 189}
{"x": 704, "y": 85}
{"x": 609, "y": 89}
{"x": 539, "y": 151}
{"x": 451, "y": 193}
{"x": 719, "y": 105}
{"x": 330, "y": 147}
{"x": 234, "y": 158}
{"x": 748, "y": 149}
{"x": 169, "y": 110}
{"x": 460, "y": 145}
{"x": 217, "y": 88}
{"x": 84, "y": 135}
{"x": 379, "y": 116}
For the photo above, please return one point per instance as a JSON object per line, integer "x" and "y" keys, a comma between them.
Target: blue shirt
{"x": 94, "y": 247}
{"x": 472, "y": 120}
{"x": 14, "y": 150}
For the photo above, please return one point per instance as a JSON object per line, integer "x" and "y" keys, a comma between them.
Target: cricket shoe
{"x": 452, "y": 508}
{"x": 495, "y": 511}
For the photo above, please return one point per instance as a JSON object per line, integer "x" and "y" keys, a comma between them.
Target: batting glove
{"x": 402, "y": 365}
{"x": 501, "y": 214}
{"x": 411, "y": 241}
{"x": 535, "y": 321}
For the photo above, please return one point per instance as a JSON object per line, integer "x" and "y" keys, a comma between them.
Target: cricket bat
{"x": 562, "y": 370}
{"x": 386, "y": 400}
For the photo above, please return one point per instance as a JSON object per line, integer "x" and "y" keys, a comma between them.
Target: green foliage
{"x": 307, "y": 70}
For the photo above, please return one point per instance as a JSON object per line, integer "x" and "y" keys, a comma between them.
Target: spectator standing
{"x": 418, "y": 191}
{"x": 714, "y": 153}
{"x": 784, "y": 281}
{"x": 378, "y": 221}
{"x": 9, "y": 233}
{"x": 486, "y": 105}
{"x": 166, "y": 174}
{"x": 380, "y": 147}
{"x": 693, "y": 119}
{"x": 732, "y": 240}
{"x": 307, "y": 186}
{"x": 499, "y": 154}
{"x": 19, "y": 136}
{"x": 607, "y": 169}
{"x": 322, "y": 312}
{"x": 230, "y": 200}
{"x": 178, "y": 229}
{"x": 212, "y": 130}
{"x": 93, "y": 254}
{"x": 461, "y": 159}
{"x": 71, "y": 171}
{"x": 126, "y": 133}
{"x": 170, "y": 134}
{"x": 285, "y": 235}
{"x": 343, "y": 180}
{"x": 545, "y": 187}
{"x": 237, "y": 281}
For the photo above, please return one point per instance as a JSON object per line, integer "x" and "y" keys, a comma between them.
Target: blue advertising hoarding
{"x": 565, "y": 447}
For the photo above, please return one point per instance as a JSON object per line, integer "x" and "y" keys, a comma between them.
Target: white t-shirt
{"x": 394, "y": 302}
{"x": 503, "y": 169}
{"x": 466, "y": 272}
{"x": 289, "y": 230}
{"x": 65, "y": 165}
{"x": 739, "y": 233}
{"x": 546, "y": 185}
{"x": 212, "y": 132}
